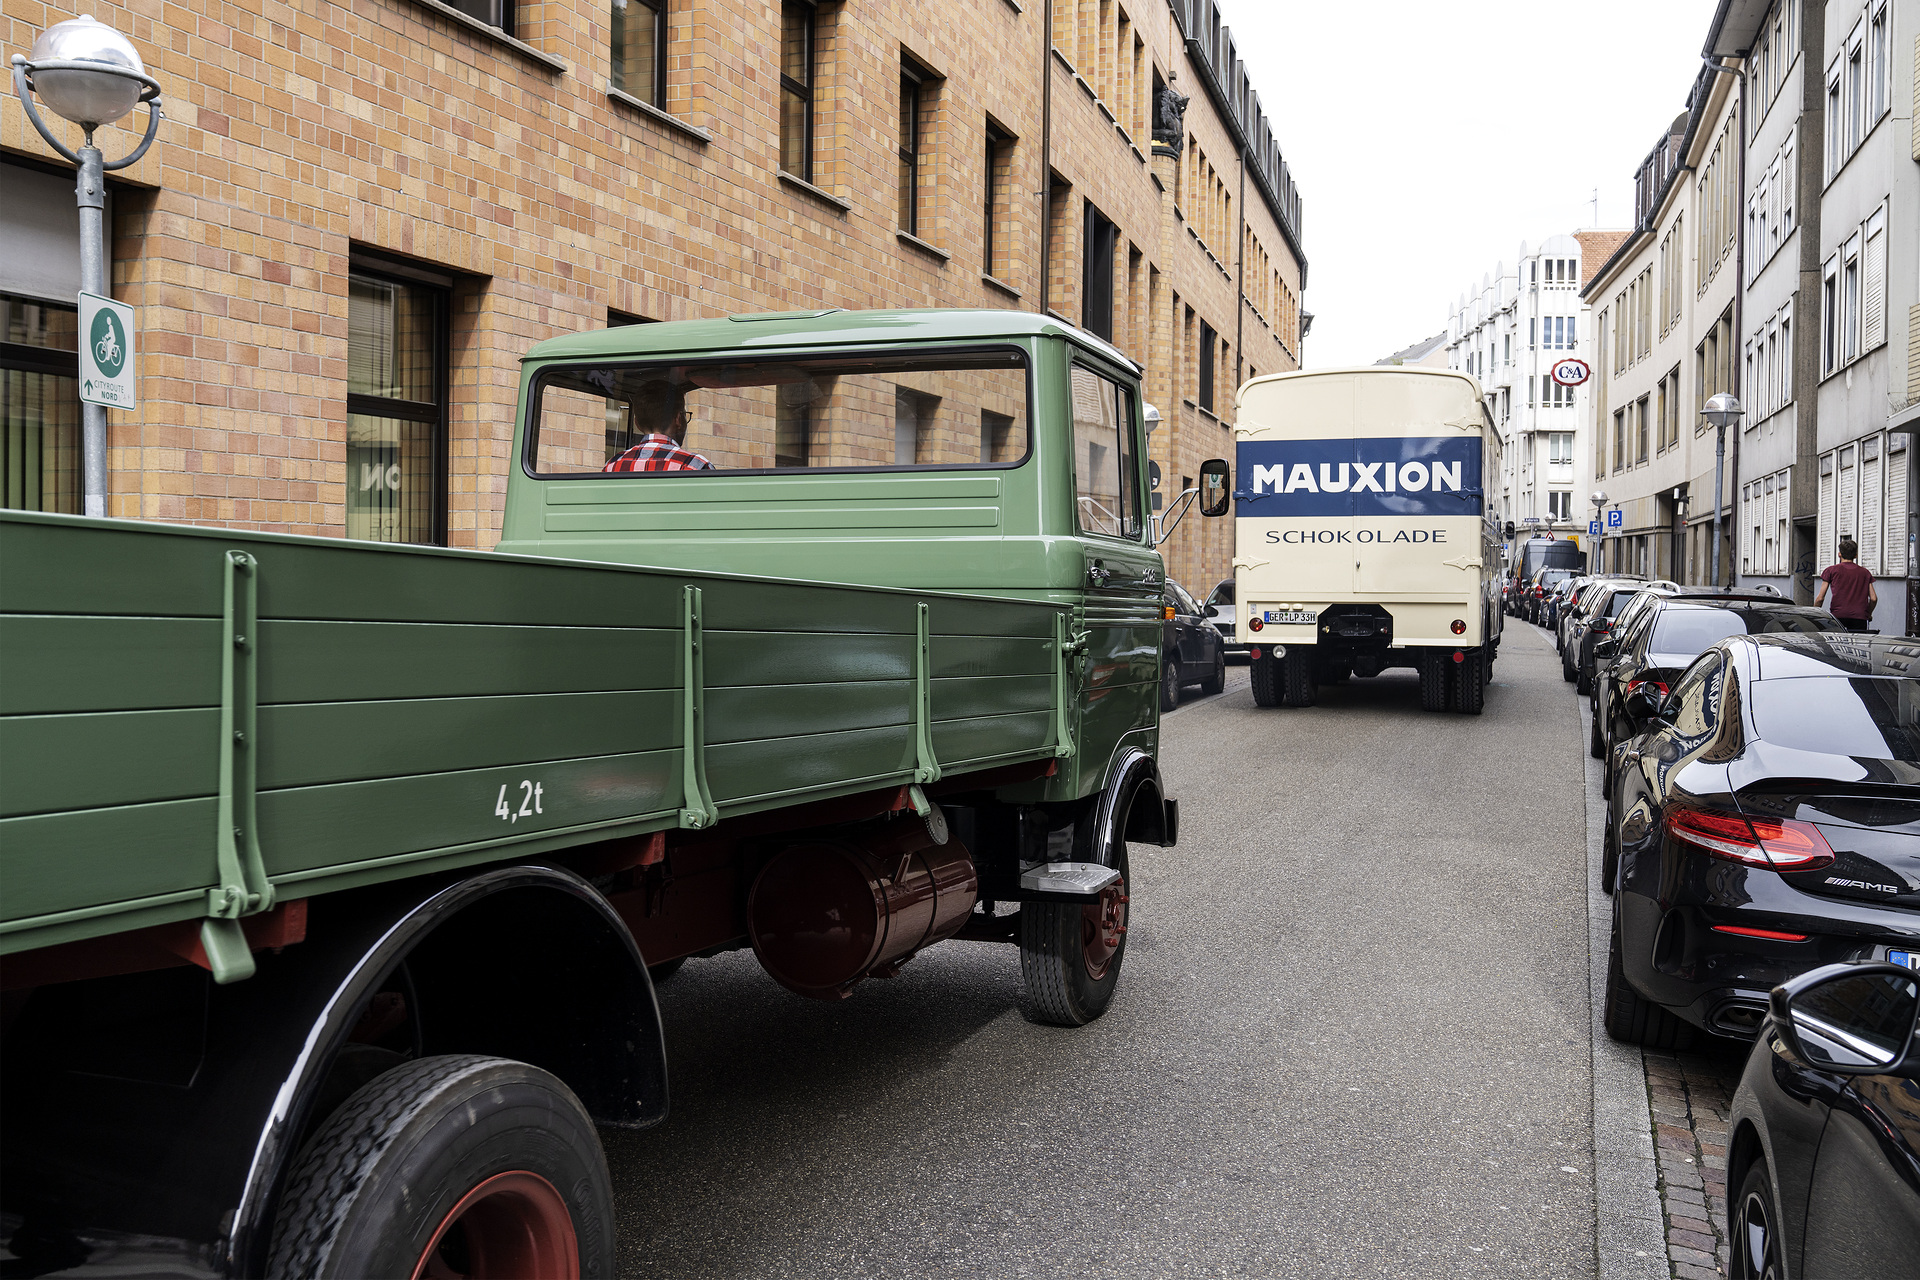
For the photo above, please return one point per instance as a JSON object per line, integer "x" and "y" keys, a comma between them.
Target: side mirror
{"x": 1509, "y": 531}
{"x": 1215, "y": 477}
{"x": 1851, "y": 1018}
{"x": 1605, "y": 648}
{"x": 1644, "y": 706}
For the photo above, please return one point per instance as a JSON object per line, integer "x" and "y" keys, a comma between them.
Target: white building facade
{"x": 1509, "y": 333}
{"x": 1830, "y": 334}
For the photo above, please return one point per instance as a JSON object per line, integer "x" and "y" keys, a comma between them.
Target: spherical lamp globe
{"x": 87, "y": 98}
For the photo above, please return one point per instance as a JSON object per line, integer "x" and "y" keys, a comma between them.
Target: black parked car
{"x": 1651, "y": 649}
{"x": 1768, "y": 824}
{"x": 1593, "y": 623}
{"x": 1823, "y": 1158}
{"x": 1191, "y": 649}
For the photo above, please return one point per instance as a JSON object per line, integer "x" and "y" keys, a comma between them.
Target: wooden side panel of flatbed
{"x": 419, "y": 708}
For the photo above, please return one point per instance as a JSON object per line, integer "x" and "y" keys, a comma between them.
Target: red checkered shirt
{"x": 658, "y": 453}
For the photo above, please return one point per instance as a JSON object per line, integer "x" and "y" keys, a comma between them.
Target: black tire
{"x": 1063, "y": 986}
{"x": 374, "y": 1189}
{"x": 1217, "y": 680}
{"x": 1755, "y": 1222}
{"x": 1434, "y": 682}
{"x": 1566, "y": 668}
{"x": 1631, "y": 1017}
{"x": 1297, "y": 685}
{"x": 1582, "y": 682}
{"x": 1170, "y": 685}
{"x": 1470, "y": 683}
{"x": 1262, "y": 674}
{"x": 1596, "y": 742}
{"x": 1609, "y": 853}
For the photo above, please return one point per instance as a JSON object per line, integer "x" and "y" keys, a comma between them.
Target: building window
{"x": 396, "y": 409}
{"x": 1641, "y": 415}
{"x": 1096, "y": 286}
{"x": 1207, "y": 343}
{"x": 1619, "y": 439}
{"x": 39, "y": 406}
{"x": 916, "y": 108}
{"x": 1560, "y": 504}
{"x": 639, "y": 31}
{"x": 495, "y": 13}
{"x": 997, "y": 182}
{"x": 797, "y": 22}
{"x": 1105, "y": 484}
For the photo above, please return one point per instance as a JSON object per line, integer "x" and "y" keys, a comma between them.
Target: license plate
{"x": 1293, "y": 617}
{"x": 1911, "y": 959}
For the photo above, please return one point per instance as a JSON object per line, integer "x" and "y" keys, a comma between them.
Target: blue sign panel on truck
{"x": 1406, "y": 476}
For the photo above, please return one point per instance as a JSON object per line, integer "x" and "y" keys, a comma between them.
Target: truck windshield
{"x": 850, "y": 410}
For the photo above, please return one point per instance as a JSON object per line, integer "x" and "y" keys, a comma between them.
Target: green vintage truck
{"x": 335, "y": 876}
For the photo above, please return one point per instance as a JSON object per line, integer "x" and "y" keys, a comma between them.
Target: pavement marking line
{"x": 1630, "y": 1221}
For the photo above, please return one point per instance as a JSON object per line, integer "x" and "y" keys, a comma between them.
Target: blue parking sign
{"x": 1615, "y": 518}
{"x": 1593, "y": 528}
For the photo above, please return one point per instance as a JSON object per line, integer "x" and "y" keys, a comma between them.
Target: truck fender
{"x": 1149, "y": 815}
{"x": 522, "y": 962}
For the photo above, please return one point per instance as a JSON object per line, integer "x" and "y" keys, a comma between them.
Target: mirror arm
{"x": 1174, "y": 513}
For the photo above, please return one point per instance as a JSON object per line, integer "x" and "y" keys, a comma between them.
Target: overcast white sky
{"x": 1428, "y": 140}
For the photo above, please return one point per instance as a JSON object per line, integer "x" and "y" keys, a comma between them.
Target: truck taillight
{"x": 1459, "y": 626}
{"x": 1777, "y": 844}
{"x": 1255, "y": 623}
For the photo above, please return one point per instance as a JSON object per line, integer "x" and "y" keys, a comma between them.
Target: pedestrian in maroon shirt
{"x": 1853, "y": 593}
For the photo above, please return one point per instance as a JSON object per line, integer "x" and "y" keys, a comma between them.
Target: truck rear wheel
{"x": 1434, "y": 679}
{"x": 457, "y": 1165}
{"x": 1297, "y": 687}
{"x": 1469, "y": 683}
{"x": 1070, "y": 952}
{"x": 1263, "y": 674}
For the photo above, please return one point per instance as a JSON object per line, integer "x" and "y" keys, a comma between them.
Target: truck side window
{"x": 923, "y": 409}
{"x": 1105, "y": 486}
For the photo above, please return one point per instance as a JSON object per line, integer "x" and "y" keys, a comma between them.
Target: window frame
{"x": 915, "y": 84}
{"x": 997, "y": 138}
{"x": 1206, "y": 373}
{"x": 52, "y": 362}
{"x": 530, "y": 423}
{"x": 1137, "y": 508}
{"x": 660, "y": 9}
{"x": 805, "y": 92}
{"x": 437, "y": 413}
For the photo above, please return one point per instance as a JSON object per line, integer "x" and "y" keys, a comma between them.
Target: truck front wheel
{"x": 457, "y": 1165}
{"x": 1070, "y": 952}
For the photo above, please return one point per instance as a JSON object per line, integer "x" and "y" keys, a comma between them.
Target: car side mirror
{"x": 1605, "y": 648}
{"x": 1850, "y": 1018}
{"x": 1509, "y": 531}
{"x": 1215, "y": 477}
{"x": 1644, "y": 706}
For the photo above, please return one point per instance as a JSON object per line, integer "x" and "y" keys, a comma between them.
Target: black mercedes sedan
{"x": 1768, "y": 824}
{"x": 1657, "y": 644}
{"x": 1823, "y": 1155}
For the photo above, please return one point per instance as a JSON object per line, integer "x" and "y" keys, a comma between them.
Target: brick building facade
{"x": 361, "y": 213}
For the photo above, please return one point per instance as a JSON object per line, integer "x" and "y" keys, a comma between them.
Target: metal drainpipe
{"x": 1046, "y": 153}
{"x": 1739, "y": 320}
{"x": 1240, "y": 282}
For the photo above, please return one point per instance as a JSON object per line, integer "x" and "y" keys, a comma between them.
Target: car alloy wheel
{"x": 1755, "y": 1242}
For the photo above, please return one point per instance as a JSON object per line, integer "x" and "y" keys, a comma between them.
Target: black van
{"x": 1535, "y": 554}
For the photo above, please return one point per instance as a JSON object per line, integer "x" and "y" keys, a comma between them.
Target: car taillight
{"x": 1778, "y": 844}
{"x": 1658, "y": 686}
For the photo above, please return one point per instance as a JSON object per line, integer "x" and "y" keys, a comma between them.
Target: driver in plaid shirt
{"x": 661, "y": 407}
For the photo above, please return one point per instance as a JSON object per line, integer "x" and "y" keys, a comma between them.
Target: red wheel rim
{"x": 511, "y": 1225}
{"x": 1103, "y": 925}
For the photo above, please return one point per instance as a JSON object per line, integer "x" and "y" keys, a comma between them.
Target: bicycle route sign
{"x": 106, "y": 352}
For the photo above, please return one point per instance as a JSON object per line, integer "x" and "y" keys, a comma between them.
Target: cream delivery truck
{"x": 1363, "y": 536}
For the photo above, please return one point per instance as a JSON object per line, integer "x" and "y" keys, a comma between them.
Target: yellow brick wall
{"x": 297, "y": 135}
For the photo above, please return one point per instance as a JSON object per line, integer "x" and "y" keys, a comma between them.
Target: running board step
{"x": 1066, "y": 882}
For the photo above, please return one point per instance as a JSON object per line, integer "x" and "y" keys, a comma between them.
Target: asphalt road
{"x": 1352, "y": 1039}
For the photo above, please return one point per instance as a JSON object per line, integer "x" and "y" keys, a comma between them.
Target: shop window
{"x": 396, "y": 409}
{"x": 39, "y": 405}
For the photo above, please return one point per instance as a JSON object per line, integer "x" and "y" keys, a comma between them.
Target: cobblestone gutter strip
{"x": 1630, "y": 1223}
{"x": 1691, "y": 1094}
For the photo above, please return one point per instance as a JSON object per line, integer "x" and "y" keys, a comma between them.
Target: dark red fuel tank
{"x": 827, "y": 913}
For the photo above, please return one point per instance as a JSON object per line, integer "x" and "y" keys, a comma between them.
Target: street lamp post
{"x": 1599, "y": 500}
{"x": 90, "y": 75}
{"x": 1722, "y": 410}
